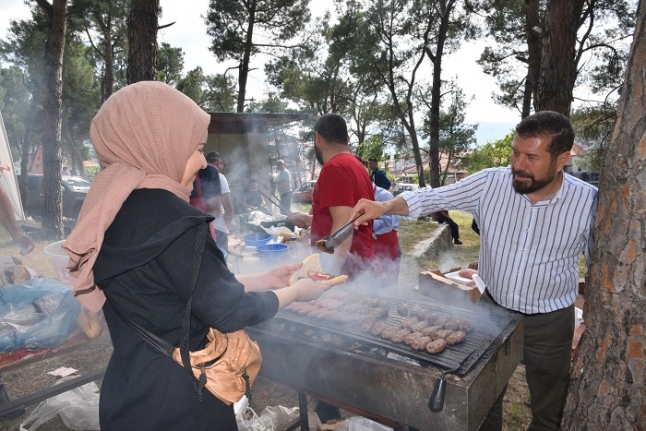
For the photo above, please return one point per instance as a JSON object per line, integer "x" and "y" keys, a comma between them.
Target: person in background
{"x": 222, "y": 221}
{"x": 8, "y": 221}
{"x": 284, "y": 185}
{"x": 444, "y": 217}
{"x": 134, "y": 242}
{"x": 378, "y": 176}
{"x": 343, "y": 180}
{"x": 207, "y": 193}
{"x": 386, "y": 240}
{"x": 252, "y": 199}
{"x": 536, "y": 223}
{"x": 475, "y": 227}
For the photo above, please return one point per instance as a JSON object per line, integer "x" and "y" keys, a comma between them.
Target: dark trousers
{"x": 286, "y": 203}
{"x": 547, "y": 354}
{"x": 455, "y": 229}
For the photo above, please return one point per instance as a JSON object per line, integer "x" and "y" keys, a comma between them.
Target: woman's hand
{"x": 279, "y": 277}
{"x": 309, "y": 289}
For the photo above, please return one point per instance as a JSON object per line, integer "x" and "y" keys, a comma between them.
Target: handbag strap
{"x": 157, "y": 342}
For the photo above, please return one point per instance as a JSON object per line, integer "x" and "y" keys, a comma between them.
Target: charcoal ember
{"x": 466, "y": 326}
{"x": 430, "y": 330}
{"x": 420, "y": 343}
{"x": 417, "y": 327}
{"x": 378, "y": 328}
{"x": 407, "y": 323}
{"x": 436, "y": 346}
{"x": 411, "y": 337}
{"x": 456, "y": 337}
{"x": 399, "y": 335}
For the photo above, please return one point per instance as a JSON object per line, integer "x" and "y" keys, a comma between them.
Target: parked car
{"x": 404, "y": 187}
{"x": 304, "y": 192}
{"x": 74, "y": 191}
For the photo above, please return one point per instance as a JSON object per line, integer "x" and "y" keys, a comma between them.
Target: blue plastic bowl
{"x": 272, "y": 251}
{"x": 256, "y": 239}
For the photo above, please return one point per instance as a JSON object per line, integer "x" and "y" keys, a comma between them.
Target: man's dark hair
{"x": 550, "y": 124}
{"x": 332, "y": 128}
{"x": 213, "y": 157}
{"x": 372, "y": 159}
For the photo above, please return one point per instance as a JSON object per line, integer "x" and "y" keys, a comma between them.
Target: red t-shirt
{"x": 342, "y": 182}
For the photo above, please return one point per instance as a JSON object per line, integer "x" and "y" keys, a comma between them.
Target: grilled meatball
{"x": 307, "y": 309}
{"x": 389, "y": 331}
{"x": 399, "y": 335}
{"x": 436, "y": 346}
{"x": 420, "y": 343}
{"x": 430, "y": 330}
{"x": 378, "y": 328}
{"x": 466, "y": 326}
{"x": 452, "y": 323}
{"x": 441, "y": 320}
{"x": 443, "y": 333}
{"x": 456, "y": 337}
{"x": 410, "y": 338}
{"x": 407, "y": 323}
{"x": 366, "y": 325}
{"x": 417, "y": 327}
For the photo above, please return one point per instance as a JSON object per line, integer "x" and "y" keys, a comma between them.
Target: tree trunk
{"x": 108, "y": 78}
{"x": 608, "y": 390}
{"x": 142, "y": 38}
{"x": 558, "y": 69}
{"x": 52, "y": 225}
{"x": 533, "y": 32}
{"x": 436, "y": 96}
{"x": 26, "y": 148}
{"x": 243, "y": 71}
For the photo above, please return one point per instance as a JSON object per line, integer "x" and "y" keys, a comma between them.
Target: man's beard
{"x": 319, "y": 156}
{"x": 534, "y": 185}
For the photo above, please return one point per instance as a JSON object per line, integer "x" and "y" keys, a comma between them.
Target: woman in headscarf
{"x": 135, "y": 240}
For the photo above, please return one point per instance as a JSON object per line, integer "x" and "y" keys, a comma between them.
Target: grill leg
{"x": 302, "y": 409}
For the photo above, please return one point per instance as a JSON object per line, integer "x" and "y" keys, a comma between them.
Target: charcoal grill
{"x": 385, "y": 380}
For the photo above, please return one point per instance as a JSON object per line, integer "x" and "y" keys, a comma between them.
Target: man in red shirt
{"x": 342, "y": 182}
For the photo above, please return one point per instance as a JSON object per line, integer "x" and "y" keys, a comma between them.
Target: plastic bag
{"x": 25, "y": 319}
{"x": 271, "y": 419}
{"x": 78, "y": 408}
{"x": 358, "y": 423}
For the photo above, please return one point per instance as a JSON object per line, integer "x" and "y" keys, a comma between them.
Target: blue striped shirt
{"x": 529, "y": 253}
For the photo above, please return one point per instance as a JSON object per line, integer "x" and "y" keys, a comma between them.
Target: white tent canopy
{"x": 8, "y": 181}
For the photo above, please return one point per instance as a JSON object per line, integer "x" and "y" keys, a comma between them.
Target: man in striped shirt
{"x": 535, "y": 223}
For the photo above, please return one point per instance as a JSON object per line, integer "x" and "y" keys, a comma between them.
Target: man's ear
{"x": 562, "y": 160}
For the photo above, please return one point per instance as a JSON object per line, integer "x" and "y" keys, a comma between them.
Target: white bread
{"x": 313, "y": 263}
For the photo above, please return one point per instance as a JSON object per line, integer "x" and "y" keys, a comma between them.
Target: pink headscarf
{"x": 143, "y": 134}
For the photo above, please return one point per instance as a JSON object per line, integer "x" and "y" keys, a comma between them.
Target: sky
{"x": 189, "y": 33}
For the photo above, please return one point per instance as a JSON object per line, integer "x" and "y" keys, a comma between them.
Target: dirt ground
{"x": 95, "y": 354}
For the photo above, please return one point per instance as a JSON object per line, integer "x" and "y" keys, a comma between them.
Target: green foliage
{"x": 170, "y": 63}
{"x": 593, "y": 126}
{"x": 490, "y": 155}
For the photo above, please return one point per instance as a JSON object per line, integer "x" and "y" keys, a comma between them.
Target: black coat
{"x": 145, "y": 266}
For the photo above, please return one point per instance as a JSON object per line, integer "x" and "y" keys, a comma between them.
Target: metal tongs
{"x": 328, "y": 243}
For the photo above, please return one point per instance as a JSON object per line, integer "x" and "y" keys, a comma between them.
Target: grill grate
{"x": 460, "y": 356}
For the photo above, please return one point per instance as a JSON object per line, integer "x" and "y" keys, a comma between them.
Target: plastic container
{"x": 256, "y": 239}
{"x": 273, "y": 252}
{"x": 59, "y": 259}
